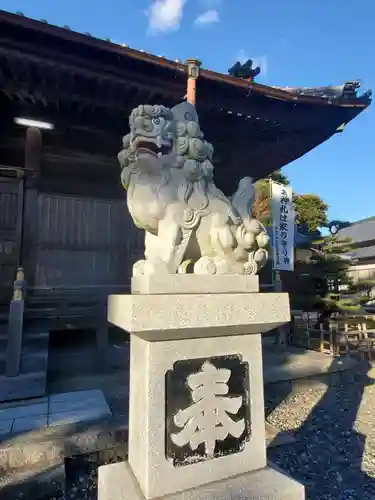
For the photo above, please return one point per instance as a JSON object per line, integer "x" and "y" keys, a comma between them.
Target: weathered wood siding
{"x": 85, "y": 243}
{"x": 8, "y": 236}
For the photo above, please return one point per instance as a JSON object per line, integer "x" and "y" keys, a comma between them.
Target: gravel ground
{"x": 334, "y": 452}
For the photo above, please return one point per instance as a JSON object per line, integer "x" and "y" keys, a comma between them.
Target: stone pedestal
{"x": 196, "y": 423}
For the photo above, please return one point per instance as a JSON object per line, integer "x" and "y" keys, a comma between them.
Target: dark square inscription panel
{"x": 179, "y": 397}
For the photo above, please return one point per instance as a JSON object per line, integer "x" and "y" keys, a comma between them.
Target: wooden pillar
{"x": 26, "y": 247}
{"x": 15, "y": 326}
{"x": 33, "y": 150}
{"x": 33, "y": 162}
{"x": 193, "y": 74}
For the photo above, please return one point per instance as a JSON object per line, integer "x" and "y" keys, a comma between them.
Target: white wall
{"x": 362, "y": 272}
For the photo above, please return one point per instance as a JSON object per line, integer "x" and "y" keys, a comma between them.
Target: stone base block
{"x": 174, "y": 284}
{"x": 24, "y": 386}
{"x": 173, "y": 317}
{"x": 117, "y": 482}
{"x": 159, "y": 390}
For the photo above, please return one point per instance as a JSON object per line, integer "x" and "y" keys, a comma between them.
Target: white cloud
{"x": 165, "y": 15}
{"x": 208, "y": 17}
{"x": 261, "y": 61}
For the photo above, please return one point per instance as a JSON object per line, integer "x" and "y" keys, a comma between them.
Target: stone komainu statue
{"x": 189, "y": 223}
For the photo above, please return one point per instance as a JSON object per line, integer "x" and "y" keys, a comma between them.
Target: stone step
{"x": 30, "y": 361}
{"x": 90, "y": 428}
{"x": 24, "y": 386}
{"x": 31, "y": 342}
{"x": 31, "y": 382}
{"x": 39, "y": 449}
{"x": 72, "y": 443}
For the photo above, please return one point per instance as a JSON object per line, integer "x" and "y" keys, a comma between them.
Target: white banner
{"x": 283, "y": 223}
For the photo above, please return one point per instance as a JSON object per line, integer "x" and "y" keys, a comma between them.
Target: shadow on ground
{"x": 328, "y": 453}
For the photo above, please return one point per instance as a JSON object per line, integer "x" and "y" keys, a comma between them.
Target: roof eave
{"x": 178, "y": 67}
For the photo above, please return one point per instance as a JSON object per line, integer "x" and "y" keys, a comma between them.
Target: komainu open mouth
{"x": 151, "y": 146}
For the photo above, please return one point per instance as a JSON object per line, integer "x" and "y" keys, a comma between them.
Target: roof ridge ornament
{"x": 348, "y": 91}
{"x": 244, "y": 71}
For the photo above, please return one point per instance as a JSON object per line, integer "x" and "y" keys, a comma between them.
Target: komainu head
{"x": 151, "y": 127}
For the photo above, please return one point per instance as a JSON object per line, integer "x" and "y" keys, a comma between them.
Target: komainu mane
{"x": 190, "y": 224}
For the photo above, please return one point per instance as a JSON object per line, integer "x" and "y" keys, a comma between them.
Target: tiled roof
{"x": 360, "y": 231}
{"x": 363, "y": 253}
{"x": 313, "y": 96}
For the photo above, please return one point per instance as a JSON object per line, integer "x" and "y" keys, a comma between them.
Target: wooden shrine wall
{"x": 84, "y": 243}
{"x": 72, "y": 244}
{"x": 8, "y": 236}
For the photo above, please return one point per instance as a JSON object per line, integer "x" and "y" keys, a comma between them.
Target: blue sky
{"x": 296, "y": 43}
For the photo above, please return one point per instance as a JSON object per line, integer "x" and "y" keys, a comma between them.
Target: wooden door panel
{"x": 86, "y": 243}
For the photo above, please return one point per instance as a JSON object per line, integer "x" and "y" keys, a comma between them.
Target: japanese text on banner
{"x": 283, "y": 227}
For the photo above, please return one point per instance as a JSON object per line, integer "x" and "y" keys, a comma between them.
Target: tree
{"x": 329, "y": 270}
{"x": 261, "y": 209}
{"x": 358, "y": 295}
{"x": 279, "y": 177}
{"x": 331, "y": 288}
{"x": 335, "y": 225}
{"x": 311, "y": 211}
{"x": 321, "y": 276}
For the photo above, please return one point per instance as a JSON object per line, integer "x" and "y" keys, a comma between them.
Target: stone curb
{"x": 314, "y": 381}
{"x": 49, "y": 447}
{"x": 275, "y": 437}
{"x": 303, "y": 374}
{"x": 33, "y": 484}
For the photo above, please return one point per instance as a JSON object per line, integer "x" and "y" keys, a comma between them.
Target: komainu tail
{"x": 242, "y": 200}
{"x": 250, "y": 231}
